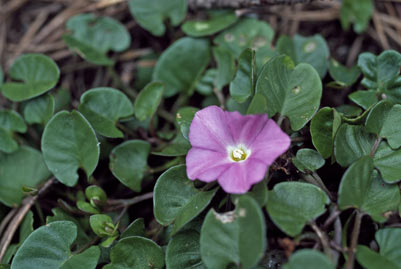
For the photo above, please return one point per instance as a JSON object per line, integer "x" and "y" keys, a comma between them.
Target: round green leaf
{"x": 362, "y": 188}
{"x": 87, "y": 259}
{"x": 364, "y": 99}
{"x": 46, "y": 247}
{"x": 388, "y": 161}
{"x": 102, "y": 225}
{"x": 148, "y": 100}
{"x": 181, "y": 64}
{"x": 103, "y": 107}
{"x": 323, "y": 128}
{"x": 36, "y": 74}
{"x": 312, "y": 50}
{"x": 128, "y": 163}
{"x": 10, "y": 122}
{"x": 308, "y": 258}
{"x": 184, "y": 119}
{"x": 69, "y": 143}
{"x": 151, "y": 17}
{"x": 183, "y": 251}
{"x": 136, "y": 252}
{"x": 308, "y": 160}
{"x": 291, "y": 91}
{"x": 389, "y": 256}
{"x": 342, "y": 75}
{"x": 219, "y": 20}
{"x": 242, "y": 87}
{"x": 291, "y": 205}
{"x": 13, "y": 177}
{"x": 236, "y": 237}
{"x": 176, "y": 201}
{"x": 39, "y": 110}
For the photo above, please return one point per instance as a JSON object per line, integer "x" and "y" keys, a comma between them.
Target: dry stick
{"x": 354, "y": 51}
{"x": 323, "y": 239}
{"x": 207, "y": 4}
{"x": 7, "y": 219}
{"x": 380, "y": 31}
{"x": 19, "y": 216}
{"x": 393, "y": 34}
{"x": 354, "y": 240}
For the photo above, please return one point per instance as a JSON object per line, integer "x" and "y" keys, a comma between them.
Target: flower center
{"x": 238, "y": 153}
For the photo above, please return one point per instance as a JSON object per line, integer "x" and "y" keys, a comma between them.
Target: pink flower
{"x": 236, "y": 150}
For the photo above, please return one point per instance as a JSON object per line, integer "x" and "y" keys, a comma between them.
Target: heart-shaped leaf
{"x": 128, "y": 163}
{"x": 87, "y": 259}
{"x": 184, "y": 119}
{"x": 103, "y": 107}
{"x": 148, "y": 100}
{"x": 291, "y": 91}
{"x": 388, "y": 161}
{"x": 236, "y": 237}
{"x": 342, "y": 75}
{"x": 69, "y": 143}
{"x": 180, "y": 65}
{"x": 36, "y": 74}
{"x": 39, "y": 110}
{"x": 308, "y": 160}
{"x": 151, "y": 17}
{"x": 364, "y": 99}
{"x": 176, "y": 200}
{"x": 13, "y": 177}
{"x": 242, "y": 87}
{"x": 308, "y": 258}
{"x": 10, "y": 122}
{"x": 136, "y": 228}
{"x": 136, "y": 252}
{"x": 291, "y": 211}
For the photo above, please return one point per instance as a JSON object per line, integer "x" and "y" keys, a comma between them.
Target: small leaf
{"x": 356, "y": 13}
{"x": 242, "y": 87}
{"x": 308, "y": 258}
{"x": 180, "y": 65}
{"x": 136, "y": 252}
{"x": 38, "y": 74}
{"x": 237, "y": 237}
{"x": 128, "y": 163}
{"x": 184, "y": 119}
{"x": 362, "y": 188}
{"x": 219, "y": 20}
{"x": 323, "y": 129}
{"x": 148, "y": 100}
{"x": 151, "y": 17}
{"x": 103, "y": 107}
{"x": 56, "y": 236}
{"x": 39, "y": 110}
{"x": 312, "y": 50}
{"x": 10, "y": 122}
{"x": 364, "y": 99}
{"x": 87, "y": 259}
{"x": 388, "y": 162}
{"x": 96, "y": 193}
{"x": 225, "y": 66}
{"x": 136, "y": 228}
{"x": 183, "y": 251}
{"x": 342, "y": 75}
{"x": 205, "y": 85}
{"x": 69, "y": 143}
{"x": 102, "y": 225}
{"x": 13, "y": 177}
{"x": 291, "y": 91}
{"x": 179, "y": 146}
{"x": 308, "y": 160}
{"x": 176, "y": 200}
{"x": 87, "y": 207}
{"x": 349, "y": 110}
{"x": 291, "y": 211}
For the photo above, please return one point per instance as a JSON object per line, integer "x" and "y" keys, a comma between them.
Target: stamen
{"x": 238, "y": 154}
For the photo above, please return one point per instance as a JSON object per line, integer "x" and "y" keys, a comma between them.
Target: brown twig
{"x": 380, "y": 31}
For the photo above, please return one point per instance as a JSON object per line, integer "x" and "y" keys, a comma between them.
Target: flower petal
{"x": 206, "y": 165}
{"x": 245, "y": 129}
{"x": 270, "y": 143}
{"x": 209, "y": 130}
{"x": 240, "y": 177}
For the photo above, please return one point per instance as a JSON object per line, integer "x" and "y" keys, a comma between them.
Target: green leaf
{"x": 151, "y": 17}
{"x": 259, "y": 192}
{"x": 10, "y": 122}
{"x": 13, "y": 177}
{"x": 184, "y": 119}
{"x": 128, "y": 163}
{"x": 242, "y": 87}
{"x": 383, "y": 120}
{"x": 225, "y": 66}
{"x": 205, "y": 85}
{"x": 388, "y": 162}
{"x": 258, "y": 105}
{"x": 356, "y": 13}
{"x": 1, "y": 76}
{"x": 176, "y": 201}
{"x": 237, "y": 237}
{"x": 136, "y": 252}
{"x": 178, "y": 147}
{"x": 87, "y": 259}
{"x": 35, "y": 73}
{"x": 308, "y": 160}
{"x": 291, "y": 211}
{"x": 103, "y": 107}
{"x": 183, "y": 251}
{"x": 362, "y": 188}
{"x": 389, "y": 255}
{"x": 102, "y": 225}
{"x": 148, "y": 100}
{"x": 181, "y": 65}
{"x": 349, "y": 110}
{"x": 291, "y": 91}
{"x": 69, "y": 143}
{"x": 364, "y": 99}
{"x": 342, "y": 75}
{"x": 94, "y": 192}
{"x": 39, "y": 110}
{"x": 247, "y": 33}
{"x": 323, "y": 129}
{"x": 308, "y": 258}
{"x": 312, "y": 50}
{"x": 219, "y": 20}
{"x": 136, "y": 228}
{"x": 87, "y": 207}
{"x": 46, "y": 247}
{"x": 351, "y": 143}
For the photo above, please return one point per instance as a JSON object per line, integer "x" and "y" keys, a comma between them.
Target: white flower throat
{"x": 238, "y": 153}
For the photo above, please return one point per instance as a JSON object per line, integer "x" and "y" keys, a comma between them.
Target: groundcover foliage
{"x": 158, "y": 176}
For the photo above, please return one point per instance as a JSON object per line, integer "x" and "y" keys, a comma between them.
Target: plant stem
{"x": 280, "y": 120}
{"x": 354, "y": 240}
{"x": 375, "y": 146}
{"x": 317, "y": 182}
{"x": 165, "y": 166}
{"x": 324, "y": 240}
{"x": 219, "y": 96}
{"x": 128, "y": 202}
